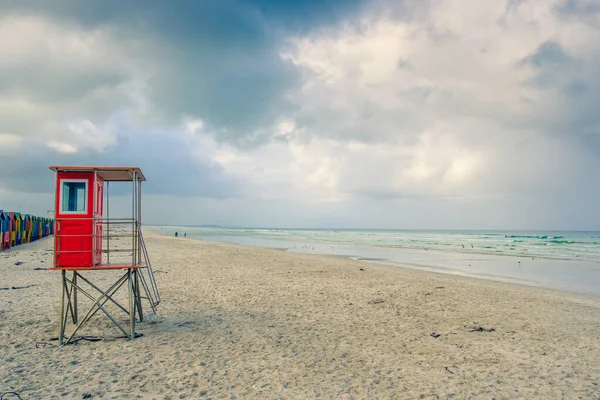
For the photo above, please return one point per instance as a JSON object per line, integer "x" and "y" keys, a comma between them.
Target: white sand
{"x": 239, "y": 322}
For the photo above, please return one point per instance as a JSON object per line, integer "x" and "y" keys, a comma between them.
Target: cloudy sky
{"x": 311, "y": 113}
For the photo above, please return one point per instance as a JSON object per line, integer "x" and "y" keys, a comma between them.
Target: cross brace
{"x": 70, "y": 287}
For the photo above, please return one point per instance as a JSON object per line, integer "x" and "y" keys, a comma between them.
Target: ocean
{"x": 564, "y": 260}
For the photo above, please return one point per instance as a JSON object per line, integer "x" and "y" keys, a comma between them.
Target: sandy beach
{"x": 241, "y": 322}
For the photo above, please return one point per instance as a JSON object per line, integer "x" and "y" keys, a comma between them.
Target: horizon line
{"x": 372, "y": 229}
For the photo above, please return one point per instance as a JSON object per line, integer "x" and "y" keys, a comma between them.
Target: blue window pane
{"x": 74, "y": 196}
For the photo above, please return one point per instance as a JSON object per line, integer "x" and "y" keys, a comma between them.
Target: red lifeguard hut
{"x": 82, "y": 246}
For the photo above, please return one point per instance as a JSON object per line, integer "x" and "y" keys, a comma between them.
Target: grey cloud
{"x": 363, "y": 119}
{"x": 41, "y": 81}
{"x": 574, "y": 85}
{"x": 548, "y": 55}
{"x": 166, "y": 163}
{"x": 553, "y": 67}
{"x": 217, "y": 60}
{"x": 191, "y": 17}
{"x": 585, "y": 9}
{"x": 215, "y": 88}
{"x": 511, "y": 7}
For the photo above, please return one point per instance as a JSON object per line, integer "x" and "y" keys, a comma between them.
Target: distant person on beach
{"x": 175, "y": 234}
{"x": 184, "y": 234}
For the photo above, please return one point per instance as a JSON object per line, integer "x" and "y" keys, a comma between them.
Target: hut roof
{"x": 110, "y": 174}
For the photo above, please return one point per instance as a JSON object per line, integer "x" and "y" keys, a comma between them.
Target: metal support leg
{"x": 63, "y": 318}
{"x": 131, "y": 305}
{"x": 74, "y": 292}
{"x": 138, "y": 296}
{"x": 71, "y": 296}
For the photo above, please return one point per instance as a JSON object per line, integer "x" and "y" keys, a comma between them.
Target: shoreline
{"x": 440, "y": 268}
{"x": 393, "y": 266}
{"x": 248, "y": 322}
{"x": 411, "y": 248}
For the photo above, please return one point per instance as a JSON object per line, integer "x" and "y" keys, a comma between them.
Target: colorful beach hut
{"x": 41, "y": 227}
{"x": 4, "y": 234}
{"x": 34, "y": 228}
{"x": 83, "y": 246}
{"x": 26, "y": 228}
{"x": 12, "y": 228}
{"x": 18, "y": 229}
{"x": 47, "y": 226}
{"x": 7, "y": 232}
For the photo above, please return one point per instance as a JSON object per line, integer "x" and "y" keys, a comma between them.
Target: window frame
{"x": 85, "y": 208}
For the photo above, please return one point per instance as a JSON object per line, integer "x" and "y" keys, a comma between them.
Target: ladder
{"x": 146, "y": 275}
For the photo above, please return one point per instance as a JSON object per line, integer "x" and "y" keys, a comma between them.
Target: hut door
{"x": 98, "y": 204}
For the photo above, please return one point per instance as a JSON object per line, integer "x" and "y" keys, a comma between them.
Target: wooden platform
{"x": 100, "y": 267}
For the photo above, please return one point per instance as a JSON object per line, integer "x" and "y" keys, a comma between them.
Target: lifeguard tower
{"x": 86, "y": 242}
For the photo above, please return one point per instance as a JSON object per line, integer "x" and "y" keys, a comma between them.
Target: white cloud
{"x": 439, "y": 105}
{"x": 83, "y": 134}
{"x": 59, "y": 77}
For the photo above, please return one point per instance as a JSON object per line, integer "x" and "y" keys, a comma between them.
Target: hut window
{"x": 74, "y": 196}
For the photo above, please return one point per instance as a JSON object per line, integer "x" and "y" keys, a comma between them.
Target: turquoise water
{"x": 560, "y": 260}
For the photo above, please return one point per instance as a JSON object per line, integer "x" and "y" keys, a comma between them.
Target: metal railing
{"x": 121, "y": 243}
{"x": 109, "y": 237}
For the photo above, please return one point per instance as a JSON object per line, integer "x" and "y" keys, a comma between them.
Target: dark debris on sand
{"x": 480, "y": 329}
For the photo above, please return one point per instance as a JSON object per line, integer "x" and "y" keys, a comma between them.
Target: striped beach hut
{"x": 12, "y": 229}
{"x": 51, "y": 223}
{"x": 32, "y": 220}
{"x": 19, "y": 228}
{"x": 4, "y": 235}
{"x": 42, "y": 227}
{"x": 6, "y": 230}
{"x": 33, "y": 228}
{"x": 36, "y": 229}
{"x": 26, "y": 228}
{"x": 30, "y": 237}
